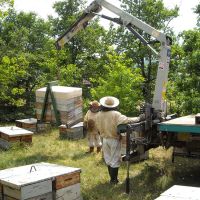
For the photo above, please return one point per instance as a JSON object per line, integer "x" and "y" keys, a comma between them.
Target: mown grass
{"x": 148, "y": 178}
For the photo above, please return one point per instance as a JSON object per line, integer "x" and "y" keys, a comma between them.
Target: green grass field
{"x": 148, "y": 178}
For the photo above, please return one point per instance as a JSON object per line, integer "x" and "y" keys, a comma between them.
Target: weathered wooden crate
{"x": 32, "y": 124}
{"x": 13, "y": 133}
{"x": 29, "y": 124}
{"x": 48, "y": 196}
{"x": 41, "y": 181}
{"x": 43, "y": 127}
{"x": 28, "y": 191}
{"x": 72, "y": 192}
{"x": 10, "y": 134}
{"x": 66, "y": 180}
{"x": 73, "y": 133}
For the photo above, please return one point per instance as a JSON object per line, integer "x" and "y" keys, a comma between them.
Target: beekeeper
{"x": 94, "y": 139}
{"x": 107, "y": 121}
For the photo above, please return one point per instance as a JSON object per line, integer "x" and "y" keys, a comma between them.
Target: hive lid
{"x": 61, "y": 92}
{"x": 13, "y": 131}
{"x": 24, "y": 175}
{"x": 27, "y": 121}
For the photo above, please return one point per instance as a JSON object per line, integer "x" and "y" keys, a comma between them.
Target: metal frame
{"x": 130, "y": 22}
{"x": 50, "y": 92}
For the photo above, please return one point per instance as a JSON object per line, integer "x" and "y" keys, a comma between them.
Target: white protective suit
{"x": 107, "y": 122}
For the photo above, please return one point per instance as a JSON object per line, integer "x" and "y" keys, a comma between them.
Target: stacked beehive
{"x": 68, "y": 102}
{"x": 10, "y": 134}
{"x": 40, "y": 181}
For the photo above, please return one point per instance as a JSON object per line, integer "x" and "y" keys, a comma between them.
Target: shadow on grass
{"x": 142, "y": 187}
{"x": 186, "y": 172}
{"x": 151, "y": 181}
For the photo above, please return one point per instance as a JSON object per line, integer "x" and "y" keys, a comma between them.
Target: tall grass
{"x": 148, "y": 178}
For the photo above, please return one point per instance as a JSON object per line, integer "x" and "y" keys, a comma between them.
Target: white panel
{"x": 47, "y": 196}
{"x": 29, "y": 191}
{"x": 71, "y": 192}
{"x": 177, "y": 192}
{"x": 168, "y": 198}
{"x": 13, "y": 131}
{"x": 36, "y": 189}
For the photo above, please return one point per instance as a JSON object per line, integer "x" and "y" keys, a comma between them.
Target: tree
{"x": 121, "y": 82}
{"x": 79, "y": 59}
{"x": 4, "y": 7}
{"x": 184, "y": 84}
{"x": 155, "y": 14}
{"x": 24, "y": 45}
{"x": 197, "y": 11}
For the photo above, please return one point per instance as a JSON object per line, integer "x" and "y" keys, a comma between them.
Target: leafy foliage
{"x": 156, "y": 15}
{"x": 121, "y": 82}
{"x": 184, "y": 86}
{"x": 24, "y": 43}
{"x": 5, "y": 5}
{"x": 29, "y": 59}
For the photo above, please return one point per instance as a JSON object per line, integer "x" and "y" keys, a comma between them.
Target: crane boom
{"x": 130, "y": 22}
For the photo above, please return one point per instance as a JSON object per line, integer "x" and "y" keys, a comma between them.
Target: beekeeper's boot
{"x": 98, "y": 149}
{"x": 114, "y": 175}
{"x": 109, "y": 171}
{"x": 90, "y": 150}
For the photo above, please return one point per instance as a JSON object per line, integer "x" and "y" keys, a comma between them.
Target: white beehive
{"x": 9, "y": 134}
{"x": 40, "y": 181}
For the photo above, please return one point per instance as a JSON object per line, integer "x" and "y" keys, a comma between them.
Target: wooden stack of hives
{"x": 68, "y": 103}
{"x": 40, "y": 181}
{"x": 10, "y": 134}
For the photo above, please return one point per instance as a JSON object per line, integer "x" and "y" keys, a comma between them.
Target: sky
{"x": 186, "y": 20}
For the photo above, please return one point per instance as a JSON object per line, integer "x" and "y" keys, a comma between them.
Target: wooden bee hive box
{"x": 28, "y": 124}
{"x": 73, "y": 133}
{"x": 41, "y": 181}
{"x": 32, "y": 124}
{"x": 11, "y": 134}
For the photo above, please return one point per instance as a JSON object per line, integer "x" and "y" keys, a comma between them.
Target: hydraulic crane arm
{"x": 81, "y": 23}
{"x": 130, "y": 22}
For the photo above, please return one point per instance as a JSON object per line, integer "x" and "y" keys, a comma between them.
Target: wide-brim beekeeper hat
{"x": 109, "y": 102}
